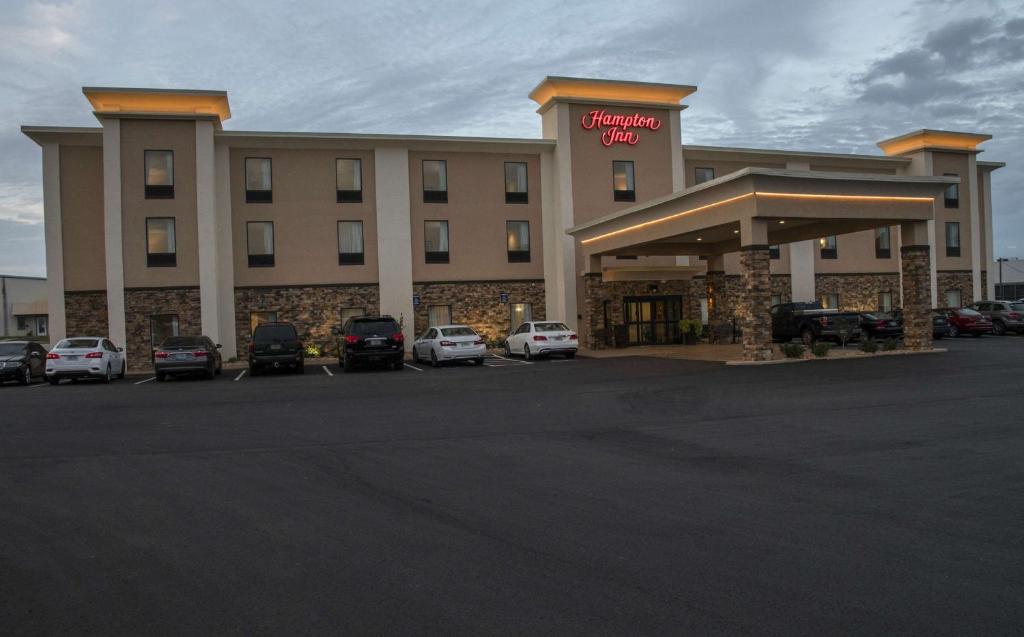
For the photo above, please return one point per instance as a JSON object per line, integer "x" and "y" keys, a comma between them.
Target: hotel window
{"x": 161, "y": 251}
{"x": 255, "y": 318}
{"x": 622, "y": 181}
{"x": 435, "y": 181}
{"x": 439, "y": 315}
{"x": 519, "y": 313}
{"x": 952, "y": 198}
{"x": 776, "y": 300}
{"x": 516, "y": 190}
{"x": 885, "y": 301}
{"x": 350, "y": 243}
{"x": 435, "y": 241}
{"x": 159, "y": 174}
{"x": 351, "y": 312}
{"x": 953, "y": 298}
{"x": 827, "y": 246}
{"x": 830, "y": 301}
{"x": 952, "y": 239}
{"x": 518, "y": 240}
{"x": 349, "y": 176}
{"x": 883, "y": 246}
{"x": 773, "y": 252}
{"x": 161, "y": 328}
{"x": 258, "y": 183}
{"x": 260, "y": 236}
{"x": 700, "y": 175}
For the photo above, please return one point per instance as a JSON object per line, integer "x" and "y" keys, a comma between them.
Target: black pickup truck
{"x": 810, "y": 322}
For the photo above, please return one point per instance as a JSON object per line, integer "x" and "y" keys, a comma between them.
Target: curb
{"x": 779, "y": 361}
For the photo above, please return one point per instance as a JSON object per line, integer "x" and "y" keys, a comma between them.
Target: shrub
{"x": 792, "y": 350}
{"x": 820, "y": 349}
{"x": 868, "y": 345}
{"x": 890, "y": 344}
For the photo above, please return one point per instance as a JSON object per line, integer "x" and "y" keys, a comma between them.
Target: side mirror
{"x": 34, "y": 354}
{"x": 120, "y": 349}
{"x": 218, "y": 346}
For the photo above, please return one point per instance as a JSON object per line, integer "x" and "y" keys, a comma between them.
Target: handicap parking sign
{"x": 503, "y": 297}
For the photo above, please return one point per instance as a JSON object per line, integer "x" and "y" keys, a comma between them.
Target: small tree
{"x": 845, "y": 326}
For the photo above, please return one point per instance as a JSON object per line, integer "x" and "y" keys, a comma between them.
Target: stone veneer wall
{"x": 956, "y": 280}
{"x": 858, "y": 292}
{"x": 598, "y": 291}
{"x": 782, "y": 286}
{"x": 313, "y": 309}
{"x": 754, "y": 305}
{"x": 142, "y": 303}
{"x": 86, "y": 313}
{"x": 917, "y": 310}
{"x": 478, "y": 304}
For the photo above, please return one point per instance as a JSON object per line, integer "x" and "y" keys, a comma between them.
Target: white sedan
{"x": 540, "y": 338}
{"x": 85, "y": 357}
{"x": 449, "y": 343}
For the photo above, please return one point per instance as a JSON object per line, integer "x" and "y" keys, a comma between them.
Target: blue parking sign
{"x": 503, "y": 297}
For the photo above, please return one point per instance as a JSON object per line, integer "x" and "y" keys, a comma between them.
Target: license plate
{"x": 180, "y": 357}
{"x": 374, "y": 342}
{"x": 71, "y": 358}
{"x": 275, "y": 347}
{"x": 558, "y": 338}
{"x": 465, "y": 345}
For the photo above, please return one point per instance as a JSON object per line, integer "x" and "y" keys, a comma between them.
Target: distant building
{"x": 24, "y": 306}
{"x": 1009, "y": 277}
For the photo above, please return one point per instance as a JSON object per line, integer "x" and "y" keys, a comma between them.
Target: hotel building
{"x": 160, "y": 221}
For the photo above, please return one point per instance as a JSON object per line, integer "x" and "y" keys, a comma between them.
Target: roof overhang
{"x": 928, "y": 139}
{"x": 162, "y": 103}
{"x": 64, "y": 135}
{"x": 589, "y": 90}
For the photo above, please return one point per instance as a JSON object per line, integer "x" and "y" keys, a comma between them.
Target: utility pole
{"x": 1000, "y": 261}
{"x": 3, "y": 295}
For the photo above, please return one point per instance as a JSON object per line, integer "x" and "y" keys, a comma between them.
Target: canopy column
{"x": 754, "y": 306}
{"x": 714, "y": 287}
{"x": 915, "y": 273}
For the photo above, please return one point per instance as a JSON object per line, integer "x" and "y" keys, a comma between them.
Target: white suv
{"x": 541, "y": 338}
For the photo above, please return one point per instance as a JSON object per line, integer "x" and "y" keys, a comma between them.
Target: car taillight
{"x": 447, "y": 344}
{"x": 398, "y": 337}
{"x": 880, "y": 324}
{"x": 94, "y": 355}
{"x": 252, "y": 347}
{"x": 52, "y": 356}
{"x": 824, "y": 320}
{"x": 540, "y": 337}
{"x": 201, "y": 353}
{"x": 573, "y": 337}
{"x": 1013, "y": 315}
{"x": 162, "y": 354}
{"x": 351, "y": 339}
{"x": 300, "y": 346}
{"x": 478, "y": 341}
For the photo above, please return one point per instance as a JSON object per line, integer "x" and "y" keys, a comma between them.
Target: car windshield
{"x": 77, "y": 343}
{"x": 275, "y": 333}
{"x": 551, "y": 327}
{"x": 12, "y": 349}
{"x": 1017, "y": 307}
{"x": 381, "y": 327}
{"x": 457, "y": 331}
{"x": 968, "y": 312}
{"x": 184, "y": 341}
{"x": 877, "y": 316}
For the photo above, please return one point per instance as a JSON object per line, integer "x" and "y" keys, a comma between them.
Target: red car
{"x": 964, "y": 320}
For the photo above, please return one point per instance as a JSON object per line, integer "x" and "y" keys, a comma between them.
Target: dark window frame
{"x": 157, "y": 191}
{"x": 433, "y": 196}
{"x": 624, "y": 195}
{"x": 697, "y": 180}
{"x": 351, "y": 258}
{"x": 775, "y": 251}
{"x": 345, "y": 195}
{"x": 953, "y": 251}
{"x": 437, "y": 256}
{"x": 516, "y": 197}
{"x": 162, "y": 259}
{"x": 258, "y": 196}
{"x": 880, "y": 252}
{"x": 829, "y": 253}
{"x": 260, "y": 260}
{"x": 951, "y": 202}
{"x": 519, "y": 256}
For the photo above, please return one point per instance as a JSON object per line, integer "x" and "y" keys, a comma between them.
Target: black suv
{"x": 370, "y": 339}
{"x": 276, "y": 345}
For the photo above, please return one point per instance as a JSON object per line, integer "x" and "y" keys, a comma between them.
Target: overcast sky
{"x": 825, "y": 76}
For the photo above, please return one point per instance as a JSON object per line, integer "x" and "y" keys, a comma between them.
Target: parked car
{"x": 371, "y": 339}
{"x": 22, "y": 361}
{"x": 810, "y": 322}
{"x": 1006, "y": 316}
{"x": 880, "y": 326}
{"x": 187, "y": 355}
{"x": 85, "y": 357}
{"x": 542, "y": 338}
{"x": 964, "y": 320}
{"x": 940, "y": 324}
{"x": 449, "y": 344}
{"x": 276, "y": 345}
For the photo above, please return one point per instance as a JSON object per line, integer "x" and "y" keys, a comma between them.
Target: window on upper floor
{"x": 435, "y": 241}
{"x": 518, "y": 241}
{"x": 952, "y": 196}
{"x": 435, "y": 181}
{"x": 883, "y": 243}
{"x": 349, "y": 175}
{"x": 260, "y": 236}
{"x": 623, "y": 186}
{"x": 258, "y": 182}
{"x": 700, "y": 175}
{"x": 161, "y": 249}
{"x": 952, "y": 239}
{"x": 350, "y": 243}
{"x": 516, "y": 190}
{"x": 159, "y": 174}
{"x": 773, "y": 252}
{"x": 827, "y": 247}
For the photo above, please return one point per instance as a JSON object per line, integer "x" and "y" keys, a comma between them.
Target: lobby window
{"x": 435, "y": 181}
{"x": 350, "y": 243}
{"x": 519, "y": 313}
{"x": 952, "y": 196}
{"x": 953, "y": 298}
{"x": 161, "y": 328}
{"x": 700, "y": 175}
{"x": 885, "y": 301}
{"x": 516, "y": 190}
{"x": 255, "y": 318}
{"x": 351, "y": 312}
{"x": 883, "y": 244}
{"x": 349, "y": 175}
{"x": 827, "y": 247}
{"x": 773, "y": 252}
{"x": 260, "y": 235}
{"x": 258, "y": 182}
{"x": 622, "y": 181}
{"x": 439, "y": 315}
{"x": 952, "y": 239}
{"x": 776, "y": 300}
{"x": 435, "y": 241}
{"x": 161, "y": 251}
{"x": 159, "y": 174}
{"x": 830, "y": 301}
{"x": 518, "y": 240}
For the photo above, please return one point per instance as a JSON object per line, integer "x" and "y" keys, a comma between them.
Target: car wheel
{"x": 107, "y": 376}
{"x": 26, "y": 378}
{"x": 480, "y": 362}
{"x": 508, "y": 350}
{"x": 346, "y": 365}
{"x": 570, "y": 355}
{"x": 220, "y": 368}
{"x": 976, "y": 334}
{"x": 53, "y": 380}
{"x": 254, "y": 370}
{"x": 998, "y": 328}
{"x": 415, "y": 354}
{"x": 527, "y": 354}
{"x": 433, "y": 359}
{"x": 160, "y": 377}
{"x": 398, "y": 365}
{"x": 124, "y": 370}
{"x": 210, "y": 373}
{"x": 954, "y": 331}
{"x": 807, "y": 337}
{"x": 301, "y": 367}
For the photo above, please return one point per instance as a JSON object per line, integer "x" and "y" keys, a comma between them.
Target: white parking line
{"x": 146, "y": 381}
{"x": 240, "y": 374}
{"x": 39, "y": 385}
{"x": 412, "y": 367}
{"x": 511, "y": 360}
{"x": 327, "y": 370}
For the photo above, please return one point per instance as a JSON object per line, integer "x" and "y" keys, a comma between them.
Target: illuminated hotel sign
{"x": 618, "y": 129}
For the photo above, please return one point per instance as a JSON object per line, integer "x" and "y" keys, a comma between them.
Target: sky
{"x": 829, "y": 75}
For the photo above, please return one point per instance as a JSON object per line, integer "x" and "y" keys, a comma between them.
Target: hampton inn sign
{"x": 617, "y": 129}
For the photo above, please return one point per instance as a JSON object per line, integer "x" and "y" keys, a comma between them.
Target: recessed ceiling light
{"x": 699, "y": 239}
{"x": 782, "y": 221}
{"x": 735, "y": 231}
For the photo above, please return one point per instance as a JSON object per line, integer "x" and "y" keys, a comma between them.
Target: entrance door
{"x": 652, "y": 320}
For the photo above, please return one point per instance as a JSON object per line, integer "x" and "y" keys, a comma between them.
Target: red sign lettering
{"x": 615, "y": 129}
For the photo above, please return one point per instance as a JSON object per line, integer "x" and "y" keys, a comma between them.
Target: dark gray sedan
{"x": 187, "y": 355}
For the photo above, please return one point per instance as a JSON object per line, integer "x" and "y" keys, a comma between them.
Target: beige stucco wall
{"x": 982, "y": 176}
{"x": 856, "y": 253}
{"x": 476, "y": 213}
{"x": 81, "y": 205}
{"x": 722, "y": 167}
{"x": 137, "y": 136}
{"x": 955, "y": 163}
{"x": 305, "y": 213}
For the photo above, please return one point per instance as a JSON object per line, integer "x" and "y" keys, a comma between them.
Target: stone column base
{"x": 755, "y": 303}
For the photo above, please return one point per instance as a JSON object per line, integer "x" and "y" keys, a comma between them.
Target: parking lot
{"x": 625, "y": 495}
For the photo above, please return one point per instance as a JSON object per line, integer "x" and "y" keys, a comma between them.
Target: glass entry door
{"x": 652, "y": 320}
